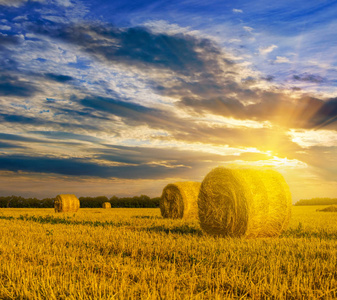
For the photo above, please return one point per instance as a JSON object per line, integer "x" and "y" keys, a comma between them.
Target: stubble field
{"x": 136, "y": 254}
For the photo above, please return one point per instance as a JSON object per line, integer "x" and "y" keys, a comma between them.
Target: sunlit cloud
{"x": 277, "y": 163}
{"x": 234, "y": 41}
{"x": 162, "y": 26}
{"x": 281, "y": 60}
{"x": 310, "y": 138}
{"x": 225, "y": 122}
{"x": 266, "y": 50}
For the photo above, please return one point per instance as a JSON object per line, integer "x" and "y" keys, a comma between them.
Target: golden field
{"x": 136, "y": 254}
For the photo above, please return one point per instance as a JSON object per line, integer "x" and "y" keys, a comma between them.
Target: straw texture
{"x": 66, "y": 203}
{"x": 106, "y": 205}
{"x": 179, "y": 200}
{"x": 244, "y": 203}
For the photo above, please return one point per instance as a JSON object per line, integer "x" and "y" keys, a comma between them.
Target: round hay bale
{"x": 179, "y": 200}
{"x": 244, "y": 203}
{"x": 106, "y": 205}
{"x": 66, "y": 203}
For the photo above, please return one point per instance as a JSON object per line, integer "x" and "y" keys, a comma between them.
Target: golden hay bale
{"x": 179, "y": 200}
{"x": 244, "y": 202}
{"x": 106, "y": 205}
{"x": 66, "y": 203}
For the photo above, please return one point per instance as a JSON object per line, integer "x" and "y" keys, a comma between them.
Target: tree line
{"x": 317, "y": 201}
{"x": 141, "y": 201}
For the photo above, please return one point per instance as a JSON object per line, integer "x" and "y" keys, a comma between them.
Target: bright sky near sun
{"x": 124, "y": 97}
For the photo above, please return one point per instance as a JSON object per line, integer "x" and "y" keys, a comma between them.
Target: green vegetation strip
{"x": 6, "y": 218}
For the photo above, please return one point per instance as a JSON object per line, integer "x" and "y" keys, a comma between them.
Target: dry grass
{"x": 143, "y": 256}
{"x": 66, "y": 203}
{"x": 179, "y": 200}
{"x": 244, "y": 202}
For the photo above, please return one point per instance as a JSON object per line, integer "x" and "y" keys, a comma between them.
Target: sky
{"x": 123, "y": 97}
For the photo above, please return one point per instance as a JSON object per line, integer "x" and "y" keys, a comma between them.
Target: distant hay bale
{"x": 179, "y": 200}
{"x": 66, "y": 203}
{"x": 106, "y": 205}
{"x": 244, "y": 203}
{"x": 331, "y": 208}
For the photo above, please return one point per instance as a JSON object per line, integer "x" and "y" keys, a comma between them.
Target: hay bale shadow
{"x": 147, "y": 217}
{"x": 182, "y": 230}
{"x": 331, "y": 208}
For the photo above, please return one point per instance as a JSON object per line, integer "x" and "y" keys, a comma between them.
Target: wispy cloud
{"x": 13, "y": 86}
{"x": 80, "y": 167}
{"x": 311, "y": 138}
{"x": 309, "y": 78}
{"x": 59, "y": 77}
{"x": 133, "y": 45}
{"x": 248, "y": 29}
{"x": 281, "y": 60}
{"x": 17, "y": 3}
{"x": 266, "y": 50}
{"x": 235, "y": 10}
{"x": 5, "y": 27}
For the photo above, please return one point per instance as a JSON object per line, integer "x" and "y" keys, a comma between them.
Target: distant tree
{"x": 3, "y": 202}
{"x": 10, "y": 199}
{"x": 47, "y": 203}
{"x": 316, "y": 201}
{"x": 89, "y": 202}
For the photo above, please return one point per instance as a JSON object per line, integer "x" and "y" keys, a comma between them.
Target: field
{"x": 136, "y": 254}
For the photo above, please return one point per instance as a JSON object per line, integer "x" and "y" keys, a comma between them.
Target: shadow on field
{"x": 68, "y": 221}
{"x": 147, "y": 217}
{"x": 184, "y": 229}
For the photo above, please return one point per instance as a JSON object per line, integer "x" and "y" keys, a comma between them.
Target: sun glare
{"x": 275, "y": 163}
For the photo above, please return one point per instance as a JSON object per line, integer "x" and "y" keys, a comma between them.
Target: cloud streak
{"x": 309, "y": 78}
{"x": 136, "y": 46}
{"x": 266, "y": 50}
{"x": 13, "y": 86}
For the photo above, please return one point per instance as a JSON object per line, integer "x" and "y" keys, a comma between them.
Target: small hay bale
{"x": 66, "y": 203}
{"x": 179, "y": 200}
{"x": 331, "y": 208}
{"x": 106, "y": 205}
{"x": 244, "y": 203}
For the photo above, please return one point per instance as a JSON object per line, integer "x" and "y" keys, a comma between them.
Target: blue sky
{"x": 123, "y": 97}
